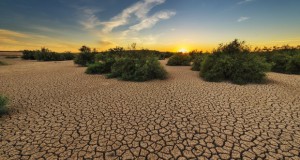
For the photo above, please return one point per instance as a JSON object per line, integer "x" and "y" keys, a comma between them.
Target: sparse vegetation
{"x": 29, "y": 55}
{"x": 85, "y": 57}
{"x": 46, "y": 55}
{"x": 179, "y": 60}
{"x": 3, "y": 105}
{"x": 284, "y": 59}
{"x": 234, "y": 62}
{"x": 197, "y": 59}
{"x": 66, "y": 56}
{"x": 134, "y": 69}
{"x": 293, "y": 65}
{"x": 132, "y": 65}
{"x": 98, "y": 68}
{"x": 121, "y": 52}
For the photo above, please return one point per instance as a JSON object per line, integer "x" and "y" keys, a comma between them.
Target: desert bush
{"x": 119, "y": 52}
{"x": 96, "y": 68}
{"x": 131, "y": 65}
{"x": 195, "y": 53}
{"x": 66, "y": 56}
{"x": 279, "y": 62}
{"x": 101, "y": 67}
{"x": 179, "y": 60}
{"x": 46, "y": 55}
{"x": 85, "y": 56}
{"x": 283, "y": 59}
{"x": 216, "y": 67}
{"x": 3, "y": 103}
{"x": 197, "y": 62}
{"x": 249, "y": 69}
{"x": 28, "y": 55}
{"x": 235, "y": 63}
{"x": 134, "y": 69}
{"x": 293, "y": 66}
{"x": 164, "y": 55}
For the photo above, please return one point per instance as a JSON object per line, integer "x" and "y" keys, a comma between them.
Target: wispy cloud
{"x": 105, "y": 43}
{"x": 90, "y": 19}
{"x": 151, "y": 21}
{"x": 242, "y": 19}
{"x": 244, "y": 1}
{"x": 286, "y": 41}
{"x": 8, "y": 33}
{"x": 133, "y": 19}
{"x": 139, "y": 9}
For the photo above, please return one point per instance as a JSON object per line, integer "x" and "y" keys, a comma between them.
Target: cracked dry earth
{"x": 58, "y": 112}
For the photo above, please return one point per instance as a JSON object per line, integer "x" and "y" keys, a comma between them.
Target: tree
{"x": 85, "y": 49}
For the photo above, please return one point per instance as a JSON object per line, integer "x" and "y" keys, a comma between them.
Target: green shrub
{"x": 280, "y": 62}
{"x": 216, "y": 68}
{"x": 179, "y": 60}
{"x": 105, "y": 56}
{"x": 131, "y": 69}
{"x": 249, "y": 69}
{"x": 85, "y": 56}
{"x": 100, "y": 67}
{"x": 164, "y": 55}
{"x": 197, "y": 61}
{"x": 284, "y": 59}
{"x": 119, "y": 52}
{"x": 66, "y": 56}
{"x": 3, "y": 103}
{"x": 293, "y": 65}
{"x": 28, "y": 55}
{"x": 96, "y": 68}
{"x": 132, "y": 65}
{"x": 235, "y": 63}
{"x": 46, "y": 55}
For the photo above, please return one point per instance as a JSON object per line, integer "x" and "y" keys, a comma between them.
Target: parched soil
{"x": 58, "y": 112}
{"x": 16, "y": 53}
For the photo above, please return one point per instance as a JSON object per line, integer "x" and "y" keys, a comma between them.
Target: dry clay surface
{"x": 58, "y": 112}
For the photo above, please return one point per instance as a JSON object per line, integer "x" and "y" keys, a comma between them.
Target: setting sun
{"x": 183, "y": 50}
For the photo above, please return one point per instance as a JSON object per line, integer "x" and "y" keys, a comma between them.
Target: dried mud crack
{"x": 61, "y": 113}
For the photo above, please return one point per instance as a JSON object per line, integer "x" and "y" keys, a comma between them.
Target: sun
{"x": 183, "y": 50}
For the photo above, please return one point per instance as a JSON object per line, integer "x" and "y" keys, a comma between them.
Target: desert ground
{"x": 59, "y": 112}
{"x": 10, "y": 53}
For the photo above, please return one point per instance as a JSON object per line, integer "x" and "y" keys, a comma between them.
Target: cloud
{"x": 244, "y": 1}
{"x": 105, "y": 43}
{"x": 142, "y": 40}
{"x": 242, "y": 19}
{"x": 14, "y": 40}
{"x": 151, "y": 21}
{"x": 287, "y": 41}
{"x": 90, "y": 20}
{"x": 139, "y": 9}
{"x": 133, "y": 19}
{"x": 8, "y": 33}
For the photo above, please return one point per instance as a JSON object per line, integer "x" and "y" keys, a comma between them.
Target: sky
{"x": 165, "y": 25}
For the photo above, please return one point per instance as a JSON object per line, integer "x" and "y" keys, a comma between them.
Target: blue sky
{"x": 155, "y": 24}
